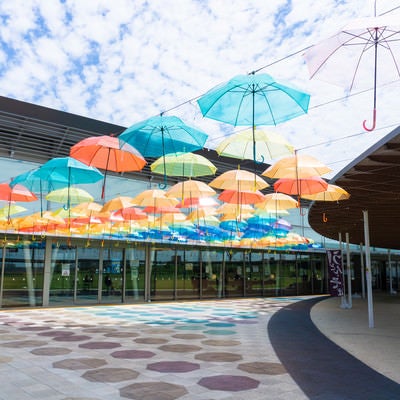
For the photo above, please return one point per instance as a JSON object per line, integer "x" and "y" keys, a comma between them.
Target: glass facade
{"x": 53, "y": 271}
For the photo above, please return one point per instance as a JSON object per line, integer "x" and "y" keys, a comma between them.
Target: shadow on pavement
{"x": 323, "y": 370}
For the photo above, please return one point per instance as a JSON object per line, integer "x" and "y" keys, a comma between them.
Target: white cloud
{"x": 126, "y": 60}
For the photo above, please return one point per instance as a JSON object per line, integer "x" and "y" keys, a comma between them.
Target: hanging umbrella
{"x": 300, "y": 187}
{"x": 118, "y": 203}
{"x": 198, "y": 202}
{"x": 241, "y": 197}
{"x": 253, "y": 100}
{"x": 357, "y": 54}
{"x": 6, "y": 212}
{"x": 76, "y": 172}
{"x": 332, "y": 193}
{"x": 36, "y": 184}
{"x": 276, "y": 202}
{"x": 238, "y": 179}
{"x": 71, "y": 195}
{"x": 104, "y": 152}
{"x": 162, "y": 135}
{"x": 154, "y": 198}
{"x": 190, "y": 189}
{"x": 183, "y": 164}
{"x": 17, "y": 193}
{"x": 297, "y": 166}
{"x": 269, "y": 145}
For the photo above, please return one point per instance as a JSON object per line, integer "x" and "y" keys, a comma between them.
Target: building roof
{"x": 373, "y": 181}
{"x": 35, "y": 133}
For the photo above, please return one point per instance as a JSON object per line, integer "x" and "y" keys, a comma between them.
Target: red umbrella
{"x": 104, "y": 152}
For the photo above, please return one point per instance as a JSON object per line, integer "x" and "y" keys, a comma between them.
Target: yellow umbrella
{"x": 69, "y": 195}
{"x": 277, "y": 202}
{"x": 88, "y": 207}
{"x": 268, "y": 144}
{"x": 296, "y": 167}
{"x": 190, "y": 189}
{"x": 118, "y": 203}
{"x": 238, "y": 179}
{"x": 12, "y": 209}
{"x": 154, "y": 198}
{"x": 332, "y": 193}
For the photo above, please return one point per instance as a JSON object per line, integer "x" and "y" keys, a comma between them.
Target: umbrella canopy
{"x": 332, "y": 193}
{"x": 154, "y": 198}
{"x": 118, "y": 203}
{"x": 253, "y": 100}
{"x": 36, "y": 184}
{"x": 104, "y": 152}
{"x": 276, "y": 202}
{"x": 75, "y": 172}
{"x": 163, "y": 135}
{"x": 300, "y": 186}
{"x": 238, "y": 179}
{"x": 269, "y": 145}
{"x": 190, "y": 189}
{"x": 355, "y": 55}
{"x": 183, "y": 164}
{"x": 72, "y": 195}
{"x": 297, "y": 166}
{"x": 12, "y": 209}
{"x": 241, "y": 197}
{"x": 199, "y": 202}
{"x": 16, "y": 193}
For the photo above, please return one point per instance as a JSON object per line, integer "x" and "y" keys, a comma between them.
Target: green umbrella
{"x": 183, "y": 164}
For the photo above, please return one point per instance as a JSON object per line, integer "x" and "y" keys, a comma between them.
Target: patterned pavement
{"x": 244, "y": 349}
{"x": 192, "y": 350}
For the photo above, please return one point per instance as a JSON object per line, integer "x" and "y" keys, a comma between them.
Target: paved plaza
{"x": 244, "y": 349}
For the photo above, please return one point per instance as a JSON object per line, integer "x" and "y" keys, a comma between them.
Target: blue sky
{"x": 123, "y": 61}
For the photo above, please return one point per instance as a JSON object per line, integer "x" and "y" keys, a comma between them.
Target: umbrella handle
{"x": 324, "y": 217}
{"x": 162, "y": 186}
{"x": 373, "y": 122}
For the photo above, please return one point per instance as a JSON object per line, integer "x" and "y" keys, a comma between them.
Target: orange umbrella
{"x": 104, "y": 152}
{"x": 130, "y": 213}
{"x": 241, "y": 197}
{"x": 300, "y": 186}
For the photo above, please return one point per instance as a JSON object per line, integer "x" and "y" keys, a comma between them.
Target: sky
{"x": 124, "y": 61}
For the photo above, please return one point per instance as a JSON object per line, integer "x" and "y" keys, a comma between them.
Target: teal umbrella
{"x": 36, "y": 184}
{"x": 253, "y": 100}
{"x": 74, "y": 171}
{"x": 161, "y": 135}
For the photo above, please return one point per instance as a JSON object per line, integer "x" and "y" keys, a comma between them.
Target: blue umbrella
{"x": 74, "y": 171}
{"x": 253, "y": 100}
{"x": 161, "y": 135}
